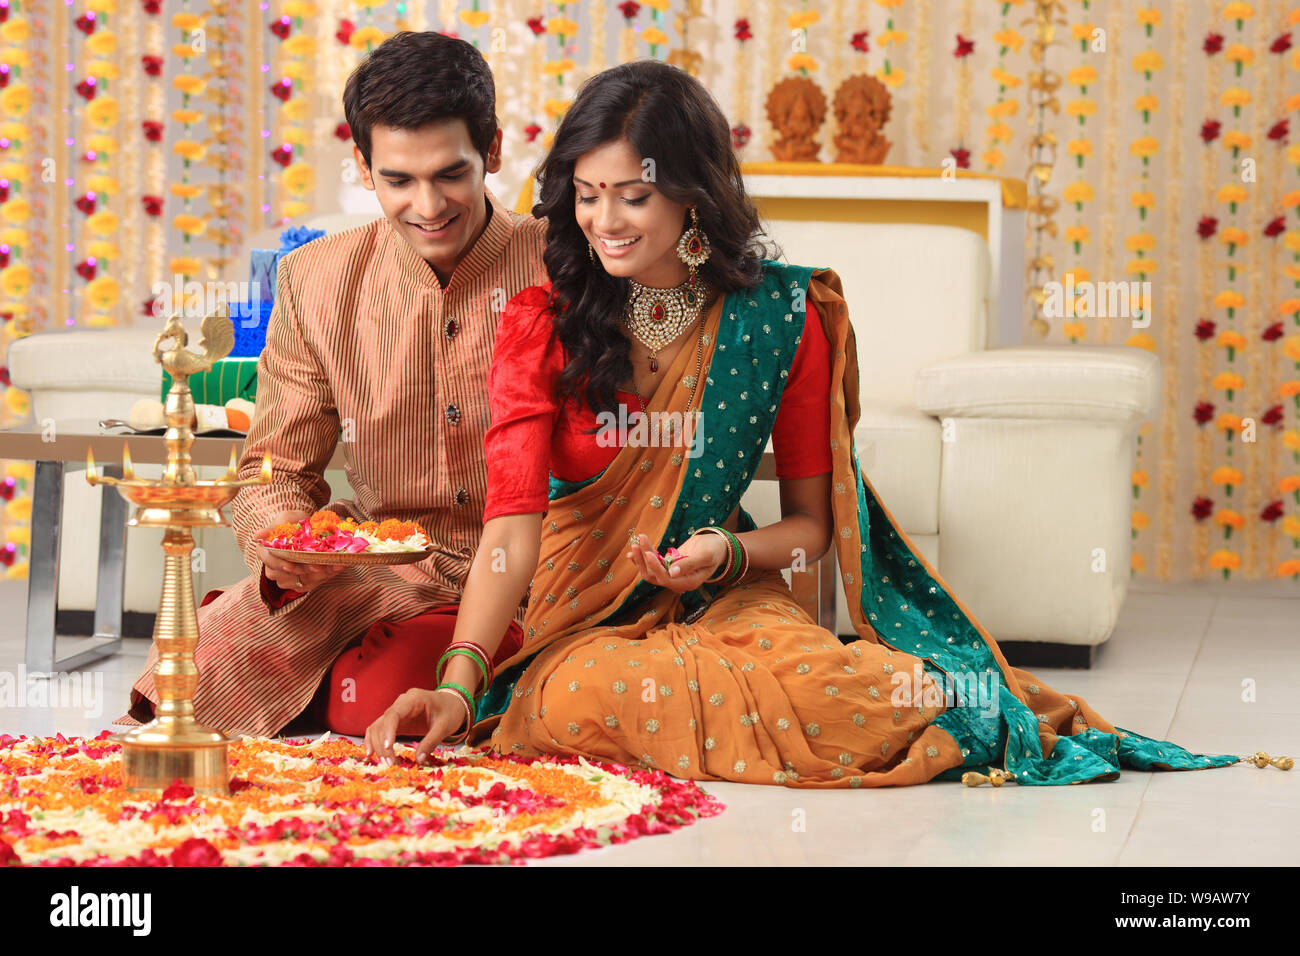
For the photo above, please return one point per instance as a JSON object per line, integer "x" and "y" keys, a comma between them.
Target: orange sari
{"x": 752, "y": 689}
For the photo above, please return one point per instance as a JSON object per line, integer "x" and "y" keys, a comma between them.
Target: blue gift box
{"x": 261, "y": 274}
{"x": 263, "y": 262}
{"x": 250, "y": 320}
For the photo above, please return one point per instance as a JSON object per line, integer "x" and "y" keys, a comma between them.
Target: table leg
{"x": 110, "y": 581}
{"x": 43, "y": 573}
{"x": 43, "y": 566}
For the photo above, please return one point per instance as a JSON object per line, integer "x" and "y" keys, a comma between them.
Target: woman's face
{"x": 633, "y": 227}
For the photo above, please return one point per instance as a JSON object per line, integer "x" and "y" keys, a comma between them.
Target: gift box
{"x": 261, "y": 274}
{"x": 250, "y": 321}
{"x": 229, "y": 378}
{"x": 262, "y": 263}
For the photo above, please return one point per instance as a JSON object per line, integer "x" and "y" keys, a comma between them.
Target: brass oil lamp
{"x": 174, "y": 745}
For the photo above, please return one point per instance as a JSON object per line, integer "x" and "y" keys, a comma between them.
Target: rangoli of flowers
{"x": 324, "y": 802}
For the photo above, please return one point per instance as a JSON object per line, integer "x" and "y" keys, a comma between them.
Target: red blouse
{"x": 529, "y": 436}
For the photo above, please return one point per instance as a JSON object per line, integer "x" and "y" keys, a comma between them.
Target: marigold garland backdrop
{"x": 146, "y": 139}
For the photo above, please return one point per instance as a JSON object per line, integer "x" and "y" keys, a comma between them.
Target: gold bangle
{"x": 460, "y": 736}
{"x": 731, "y": 556}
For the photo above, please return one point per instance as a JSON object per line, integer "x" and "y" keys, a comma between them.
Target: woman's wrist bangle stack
{"x": 474, "y": 653}
{"x": 486, "y": 672}
{"x": 462, "y": 695}
{"x": 737, "y": 563}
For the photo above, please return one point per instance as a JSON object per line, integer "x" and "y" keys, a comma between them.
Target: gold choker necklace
{"x": 656, "y": 317}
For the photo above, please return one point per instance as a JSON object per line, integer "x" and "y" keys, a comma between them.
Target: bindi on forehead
{"x": 627, "y": 182}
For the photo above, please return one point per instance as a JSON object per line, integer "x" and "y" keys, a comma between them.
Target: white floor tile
{"x": 1173, "y": 670}
{"x": 1190, "y": 834}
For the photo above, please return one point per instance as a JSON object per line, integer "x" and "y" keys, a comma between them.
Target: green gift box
{"x": 229, "y": 378}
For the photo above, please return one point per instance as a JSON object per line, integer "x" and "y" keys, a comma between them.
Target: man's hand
{"x": 436, "y": 714}
{"x": 286, "y": 574}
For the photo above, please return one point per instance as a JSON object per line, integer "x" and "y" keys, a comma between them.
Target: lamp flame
{"x": 266, "y": 468}
{"x": 230, "y": 472}
{"x": 91, "y": 476}
{"x": 128, "y": 471}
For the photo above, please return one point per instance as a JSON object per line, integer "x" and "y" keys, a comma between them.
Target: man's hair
{"x": 413, "y": 79}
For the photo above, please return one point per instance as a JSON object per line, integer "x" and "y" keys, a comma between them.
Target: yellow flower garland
{"x": 1173, "y": 332}
{"x": 29, "y": 249}
{"x": 1289, "y": 312}
{"x": 1234, "y": 195}
{"x": 1080, "y": 149}
{"x": 998, "y": 132}
{"x": 890, "y": 74}
{"x": 1042, "y": 153}
{"x": 799, "y": 22}
{"x": 742, "y": 66}
{"x": 101, "y": 116}
{"x": 296, "y": 57}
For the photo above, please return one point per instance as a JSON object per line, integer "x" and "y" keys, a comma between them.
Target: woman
{"x": 659, "y": 301}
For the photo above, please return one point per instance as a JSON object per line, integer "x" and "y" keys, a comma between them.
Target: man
{"x": 381, "y": 339}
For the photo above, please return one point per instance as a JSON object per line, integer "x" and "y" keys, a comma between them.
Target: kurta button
{"x": 451, "y": 328}
{"x": 462, "y": 496}
{"x": 453, "y": 414}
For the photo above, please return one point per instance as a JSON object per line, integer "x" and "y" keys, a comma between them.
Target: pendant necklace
{"x": 656, "y": 317}
{"x": 693, "y": 380}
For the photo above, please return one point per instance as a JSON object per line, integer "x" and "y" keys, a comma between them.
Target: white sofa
{"x": 1007, "y": 468}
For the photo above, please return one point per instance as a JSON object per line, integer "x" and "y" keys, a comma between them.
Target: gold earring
{"x": 693, "y": 247}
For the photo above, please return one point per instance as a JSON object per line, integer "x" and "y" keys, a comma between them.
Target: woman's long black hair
{"x": 669, "y": 117}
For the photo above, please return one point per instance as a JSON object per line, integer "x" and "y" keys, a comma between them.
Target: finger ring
{"x": 300, "y": 582}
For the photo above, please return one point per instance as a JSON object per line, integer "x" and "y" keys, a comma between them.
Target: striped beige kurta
{"x": 364, "y": 347}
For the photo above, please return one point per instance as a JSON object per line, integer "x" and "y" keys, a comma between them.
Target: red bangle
{"x": 481, "y": 654}
{"x": 744, "y": 562}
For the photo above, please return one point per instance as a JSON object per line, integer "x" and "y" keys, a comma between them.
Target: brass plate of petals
{"x": 342, "y": 557}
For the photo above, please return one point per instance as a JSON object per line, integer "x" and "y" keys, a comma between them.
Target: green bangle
{"x": 741, "y": 563}
{"x": 733, "y": 556}
{"x": 465, "y": 652}
{"x": 734, "y": 564}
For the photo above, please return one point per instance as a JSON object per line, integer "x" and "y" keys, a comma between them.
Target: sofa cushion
{"x": 1104, "y": 383}
{"x": 899, "y": 449}
{"x": 79, "y": 360}
{"x": 86, "y": 373}
{"x": 916, "y": 293}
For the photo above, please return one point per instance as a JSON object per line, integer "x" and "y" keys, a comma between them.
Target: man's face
{"x": 429, "y": 182}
